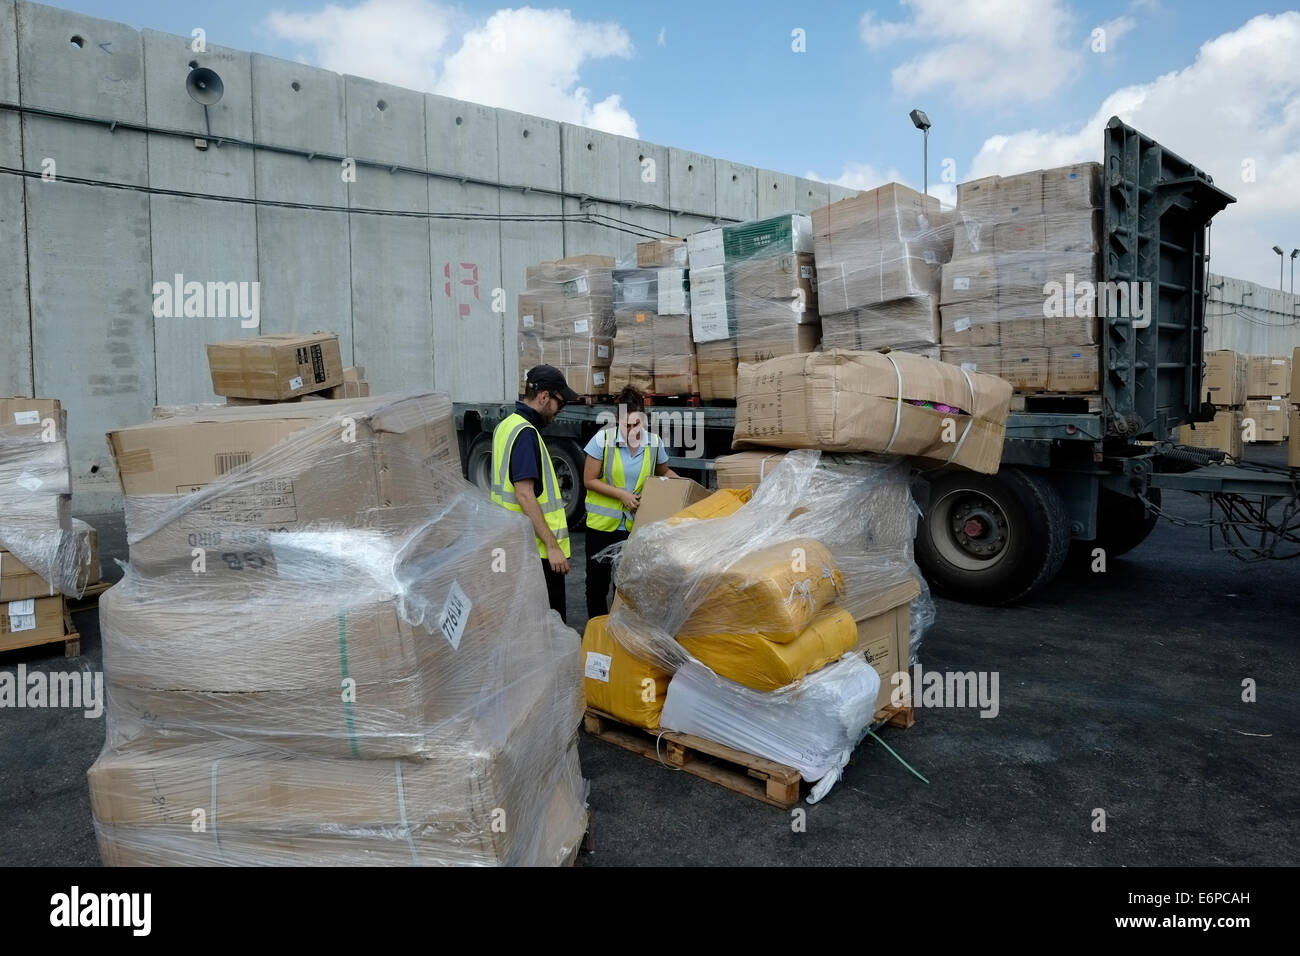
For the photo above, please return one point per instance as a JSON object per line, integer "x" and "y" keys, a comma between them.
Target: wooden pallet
{"x": 1063, "y": 402}
{"x": 70, "y": 639}
{"x": 736, "y": 770}
{"x": 89, "y": 597}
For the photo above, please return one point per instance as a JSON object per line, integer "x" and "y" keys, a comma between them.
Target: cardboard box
{"x": 664, "y": 497}
{"x": 1071, "y": 330}
{"x": 589, "y": 351}
{"x": 717, "y": 378}
{"x": 765, "y": 334}
{"x": 586, "y": 380}
{"x": 29, "y": 622}
{"x": 32, "y": 418}
{"x": 532, "y": 316}
{"x": 278, "y": 366}
{"x": 1224, "y": 381}
{"x": 1022, "y": 235}
{"x": 760, "y": 238}
{"x": 850, "y": 401}
{"x": 1268, "y": 377}
{"x": 704, "y": 249}
{"x": 790, "y": 280}
{"x": 1073, "y": 231}
{"x": 1074, "y": 369}
{"x": 904, "y": 324}
{"x": 1295, "y": 377}
{"x": 967, "y": 280}
{"x": 1026, "y": 369}
{"x": 1293, "y": 446}
{"x": 745, "y": 469}
{"x": 896, "y": 272}
{"x": 978, "y": 196}
{"x": 88, "y": 547}
{"x": 1270, "y": 418}
{"x": 884, "y": 639}
{"x": 1071, "y": 188}
{"x": 673, "y": 295}
{"x": 662, "y": 254}
{"x": 711, "y": 319}
{"x": 1021, "y": 324}
{"x": 986, "y": 359}
{"x": 19, "y": 582}
{"x": 1223, "y": 433}
{"x": 969, "y": 324}
{"x": 635, "y": 289}
{"x": 404, "y": 450}
{"x": 1020, "y": 196}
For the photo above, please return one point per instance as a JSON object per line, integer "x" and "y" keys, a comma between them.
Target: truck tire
{"x": 566, "y": 459}
{"x": 1123, "y": 522}
{"x": 992, "y": 539}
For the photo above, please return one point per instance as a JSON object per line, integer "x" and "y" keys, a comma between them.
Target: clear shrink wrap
{"x": 566, "y": 319}
{"x": 753, "y": 295}
{"x": 337, "y": 645}
{"x": 1022, "y": 296}
{"x": 653, "y": 347}
{"x": 36, "y": 494}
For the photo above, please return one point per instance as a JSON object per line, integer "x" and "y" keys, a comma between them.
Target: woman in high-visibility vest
{"x": 619, "y": 460}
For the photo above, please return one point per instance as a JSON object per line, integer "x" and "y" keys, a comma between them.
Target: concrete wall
{"x": 411, "y": 296}
{"x": 1251, "y": 318}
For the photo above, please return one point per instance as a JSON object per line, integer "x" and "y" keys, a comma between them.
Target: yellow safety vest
{"x": 503, "y": 489}
{"x": 603, "y": 512}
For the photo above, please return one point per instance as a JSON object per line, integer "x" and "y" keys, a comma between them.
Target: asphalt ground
{"x": 1119, "y": 692}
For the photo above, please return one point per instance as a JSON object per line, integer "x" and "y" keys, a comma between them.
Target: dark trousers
{"x": 555, "y": 590}
{"x": 599, "y": 573}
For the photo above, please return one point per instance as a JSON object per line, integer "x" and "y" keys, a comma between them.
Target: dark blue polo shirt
{"x": 526, "y": 456}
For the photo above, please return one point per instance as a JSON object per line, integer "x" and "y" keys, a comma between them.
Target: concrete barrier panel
{"x": 174, "y": 161}
{"x": 810, "y": 194}
{"x": 692, "y": 182}
{"x": 392, "y": 325}
{"x": 92, "y": 334}
{"x": 736, "y": 190}
{"x": 304, "y": 265}
{"x": 299, "y": 107}
{"x": 15, "y": 318}
{"x": 590, "y": 164}
{"x": 205, "y": 241}
{"x": 386, "y": 123}
{"x": 777, "y": 193}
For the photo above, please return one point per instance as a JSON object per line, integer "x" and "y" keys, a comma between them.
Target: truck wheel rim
{"x": 969, "y": 529}
{"x": 564, "y": 477}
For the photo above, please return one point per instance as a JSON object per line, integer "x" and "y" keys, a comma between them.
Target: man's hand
{"x": 555, "y": 557}
{"x": 630, "y": 501}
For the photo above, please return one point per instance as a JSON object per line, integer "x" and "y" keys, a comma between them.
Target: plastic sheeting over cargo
{"x": 35, "y": 495}
{"x": 337, "y": 645}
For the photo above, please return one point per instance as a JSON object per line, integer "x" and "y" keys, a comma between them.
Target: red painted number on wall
{"x": 469, "y": 269}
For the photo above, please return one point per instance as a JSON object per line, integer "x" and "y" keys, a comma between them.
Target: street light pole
{"x": 1281, "y": 261}
{"x": 1294, "y": 253}
{"x": 922, "y": 122}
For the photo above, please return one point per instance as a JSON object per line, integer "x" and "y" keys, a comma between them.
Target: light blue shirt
{"x": 631, "y": 463}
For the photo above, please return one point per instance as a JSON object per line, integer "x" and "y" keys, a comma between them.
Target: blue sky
{"x": 1008, "y": 85}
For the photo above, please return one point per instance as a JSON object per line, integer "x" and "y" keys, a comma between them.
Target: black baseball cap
{"x": 551, "y": 379}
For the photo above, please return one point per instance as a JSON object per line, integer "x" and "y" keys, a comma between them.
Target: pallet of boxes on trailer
{"x": 307, "y": 641}
{"x": 653, "y": 348}
{"x": 566, "y": 319}
{"x": 45, "y": 553}
{"x": 878, "y": 258}
{"x": 1224, "y": 386}
{"x": 753, "y": 295}
{"x": 1019, "y": 297}
{"x": 774, "y": 691}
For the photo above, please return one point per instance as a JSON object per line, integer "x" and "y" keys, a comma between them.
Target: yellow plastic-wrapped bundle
{"x": 754, "y": 661}
{"x": 775, "y": 591}
{"x": 618, "y": 683}
{"x": 717, "y": 505}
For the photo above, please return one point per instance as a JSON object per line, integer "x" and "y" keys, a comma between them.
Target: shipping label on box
{"x": 1074, "y": 369}
{"x": 970, "y": 323}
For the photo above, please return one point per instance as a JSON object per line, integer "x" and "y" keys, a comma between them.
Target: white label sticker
{"x": 968, "y": 366}
{"x": 598, "y": 378}
{"x": 805, "y": 272}
{"x": 455, "y": 613}
{"x": 930, "y": 258}
{"x": 22, "y": 608}
{"x": 576, "y": 286}
{"x": 961, "y": 325}
{"x": 295, "y": 383}
{"x": 1279, "y": 361}
{"x": 598, "y": 666}
{"x": 32, "y": 417}
{"x": 961, "y": 282}
{"x": 22, "y": 622}
{"x": 602, "y": 351}
{"x": 581, "y": 325}
{"x": 1275, "y": 408}
{"x": 529, "y": 321}
{"x": 28, "y": 480}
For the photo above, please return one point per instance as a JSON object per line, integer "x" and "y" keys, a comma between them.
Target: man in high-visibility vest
{"x": 620, "y": 458}
{"x": 523, "y": 478}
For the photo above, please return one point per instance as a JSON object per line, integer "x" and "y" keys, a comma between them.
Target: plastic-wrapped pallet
{"x": 653, "y": 348}
{"x": 566, "y": 319}
{"x": 844, "y": 535}
{"x": 1021, "y": 295}
{"x": 878, "y": 259}
{"x": 317, "y": 647}
{"x": 753, "y": 295}
{"x": 35, "y": 494}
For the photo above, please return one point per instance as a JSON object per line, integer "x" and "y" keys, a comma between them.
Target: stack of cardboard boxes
{"x": 653, "y": 348}
{"x": 566, "y": 319}
{"x": 1018, "y": 296}
{"x": 44, "y": 552}
{"x": 309, "y": 647}
{"x": 878, "y": 260}
{"x": 1224, "y": 386}
{"x": 284, "y": 367}
{"x": 753, "y": 295}
{"x": 1268, "y": 394}
{"x": 1293, "y": 446}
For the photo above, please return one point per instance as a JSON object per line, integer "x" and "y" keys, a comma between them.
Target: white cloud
{"x": 663, "y": 36}
{"x": 522, "y": 59}
{"x": 1112, "y": 30}
{"x": 1238, "y": 101}
{"x": 981, "y": 51}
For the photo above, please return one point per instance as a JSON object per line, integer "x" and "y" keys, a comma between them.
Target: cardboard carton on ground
{"x": 1293, "y": 446}
{"x": 1268, "y": 376}
{"x": 29, "y": 622}
{"x": 883, "y": 638}
{"x": 278, "y": 366}
{"x": 1269, "y": 417}
{"x": 1223, "y": 433}
{"x": 32, "y": 418}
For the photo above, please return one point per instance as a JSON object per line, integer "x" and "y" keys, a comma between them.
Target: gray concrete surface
{"x": 1120, "y": 691}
